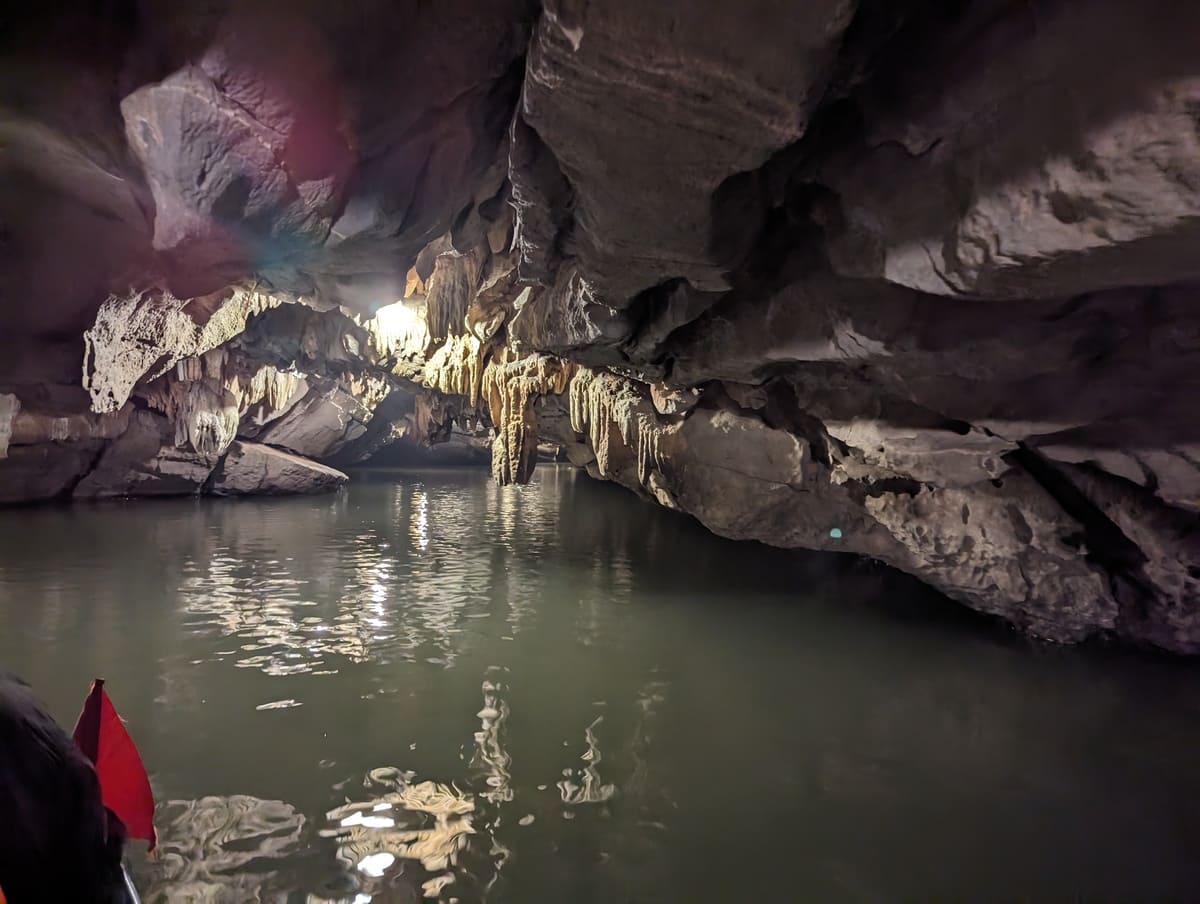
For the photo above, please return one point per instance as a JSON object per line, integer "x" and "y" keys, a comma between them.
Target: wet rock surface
{"x": 909, "y": 280}
{"x": 254, "y": 469}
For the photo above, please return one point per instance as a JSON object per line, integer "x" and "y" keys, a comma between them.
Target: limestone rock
{"x": 255, "y": 469}
{"x": 939, "y": 457}
{"x": 541, "y": 199}
{"x": 276, "y": 149}
{"x": 1159, "y": 571}
{"x": 1176, "y": 474}
{"x": 320, "y": 424}
{"x": 1025, "y": 201}
{"x": 457, "y": 451}
{"x": 139, "y": 337}
{"x": 32, "y": 426}
{"x": 648, "y": 109}
{"x": 913, "y": 281}
{"x": 1116, "y": 462}
{"x": 144, "y": 461}
{"x": 46, "y": 471}
{"x": 568, "y": 319}
{"x": 673, "y": 401}
{"x": 10, "y": 406}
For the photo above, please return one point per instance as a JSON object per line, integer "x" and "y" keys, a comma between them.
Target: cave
{"x": 883, "y": 300}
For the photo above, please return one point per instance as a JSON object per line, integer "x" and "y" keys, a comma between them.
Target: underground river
{"x": 431, "y": 686}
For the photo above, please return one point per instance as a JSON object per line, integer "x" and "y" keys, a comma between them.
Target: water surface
{"x": 431, "y": 686}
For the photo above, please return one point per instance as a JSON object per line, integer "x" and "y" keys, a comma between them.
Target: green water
{"x": 558, "y": 693}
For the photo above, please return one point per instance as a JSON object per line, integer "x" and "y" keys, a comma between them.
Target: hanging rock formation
{"x": 913, "y": 280}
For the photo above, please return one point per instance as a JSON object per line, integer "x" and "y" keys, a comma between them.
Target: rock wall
{"x": 914, "y": 280}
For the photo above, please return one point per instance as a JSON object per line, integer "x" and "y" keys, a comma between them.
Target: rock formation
{"x": 912, "y": 280}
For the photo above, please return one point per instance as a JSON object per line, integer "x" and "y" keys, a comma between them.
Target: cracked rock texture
{"x": 915, "y": 280}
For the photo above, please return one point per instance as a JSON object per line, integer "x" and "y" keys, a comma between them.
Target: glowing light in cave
{"x": 398, "y": 320}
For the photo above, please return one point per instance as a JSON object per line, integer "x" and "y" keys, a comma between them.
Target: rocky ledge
{"x": 914, "y": 280}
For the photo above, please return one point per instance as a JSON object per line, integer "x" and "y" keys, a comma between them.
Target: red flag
{"x": 124, "y": 785}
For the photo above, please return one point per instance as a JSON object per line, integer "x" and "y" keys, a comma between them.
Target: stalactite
{"x": 189, "y": 370}
{"x": 205, "y": 416}
{"x": 273, "y": 388}
{"x": 601, "y": 403}
{"x": 450, "y": 290}
{"x": 397, "y": 333}
{"x": 205, "y": 396}
{"x": 215, "y": 362}
{"x": 510, "y": 387}
{"x": 428, "y": 417}
{"x": 457, "y": 368}
{"x": 414, "y": 286}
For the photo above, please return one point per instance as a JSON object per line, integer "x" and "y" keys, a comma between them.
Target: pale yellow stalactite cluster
{"x": 204, "y": 417}
{"x": 510, "y": 387}
{"x": 367, "y": 389}
{"x": 603, "y": 407}
{"x": 397, "y": 331}
{"x": 276, "y": 389}
{"x": 457, "y": 368}
{"x": 205, "y": 397}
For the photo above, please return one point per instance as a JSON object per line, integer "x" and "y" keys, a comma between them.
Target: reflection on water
{"x": 490, "y": 756}
{"x": 589, "y": 790}
{"x": 289, "y": 613}
{"x": 425, "y": 822}
{"x": 220, "y": 849}
{"x": 433, "y": 688}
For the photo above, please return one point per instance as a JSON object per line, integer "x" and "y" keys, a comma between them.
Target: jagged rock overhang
{"x": 844, "y": 277}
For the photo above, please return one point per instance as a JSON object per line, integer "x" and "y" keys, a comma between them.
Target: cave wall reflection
{"x": 433, "y": 687}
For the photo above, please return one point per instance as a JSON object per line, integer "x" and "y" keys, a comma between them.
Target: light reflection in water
{"x": 391, "y": 603}
{"x": 221, "y": 849}
{"x": 589, "y": 789}
{"x": 491, "y": 759}
{"x": 420, "y": 523}
{"x": 427, "y": 823}
{"x": 270, "y": 655}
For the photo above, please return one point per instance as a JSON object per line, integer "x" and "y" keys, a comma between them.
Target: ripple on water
{"x": 360, "y": 597}
{"x": 470, "y": 635}
{"x": 236, "y": 848}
